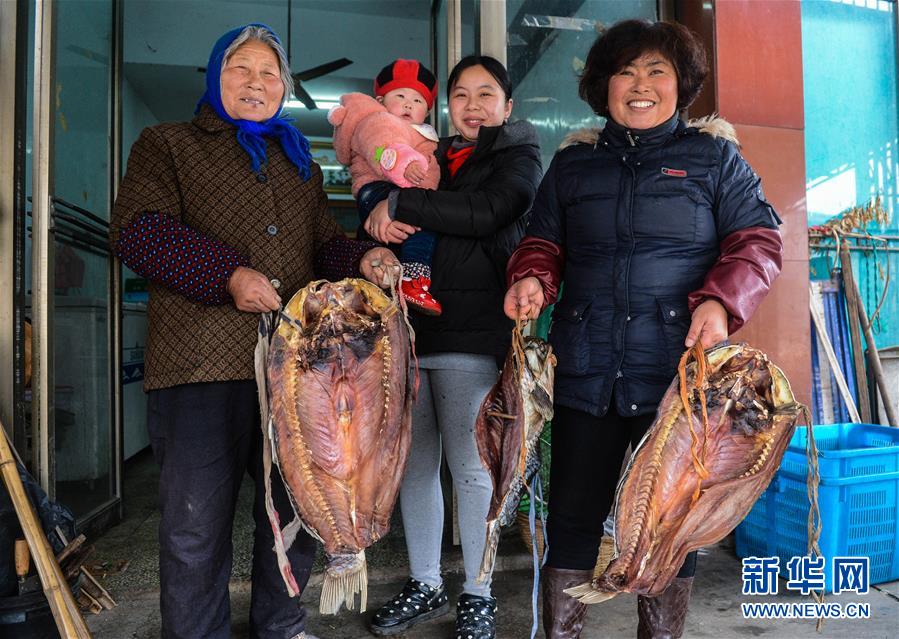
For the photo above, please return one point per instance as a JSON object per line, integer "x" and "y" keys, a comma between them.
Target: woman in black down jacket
{"x": 490, "y": 173}
{"x": 663, "y": 237}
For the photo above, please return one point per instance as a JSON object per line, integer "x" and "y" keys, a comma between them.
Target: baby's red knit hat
{"x": 407, "y": 74}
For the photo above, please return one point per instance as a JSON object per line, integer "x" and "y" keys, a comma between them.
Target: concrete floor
{"x": 715, "y": 610}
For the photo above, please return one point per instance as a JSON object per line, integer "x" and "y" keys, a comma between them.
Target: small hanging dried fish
{"x": 340, "y": 403}
{"x": 507, "y": 431}
{"x": 718, "y": 439}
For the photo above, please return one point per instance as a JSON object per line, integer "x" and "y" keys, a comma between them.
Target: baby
{"x": 386, "y": 144}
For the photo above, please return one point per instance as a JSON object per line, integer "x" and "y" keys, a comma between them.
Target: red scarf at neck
{"x": 456, "y": 157}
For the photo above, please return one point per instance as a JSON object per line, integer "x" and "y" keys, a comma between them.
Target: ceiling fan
{"x": 309, "y": 74}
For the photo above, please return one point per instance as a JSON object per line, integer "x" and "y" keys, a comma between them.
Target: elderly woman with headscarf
{"x": 223, "y": 215}
{"x": 663, "y": 238}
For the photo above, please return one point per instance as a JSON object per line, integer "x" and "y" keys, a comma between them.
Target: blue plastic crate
{"x": 845, "y": 450}
{"x": 858, "y": 496}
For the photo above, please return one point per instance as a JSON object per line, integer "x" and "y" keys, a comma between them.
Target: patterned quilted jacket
{"x": 189, "y": 211}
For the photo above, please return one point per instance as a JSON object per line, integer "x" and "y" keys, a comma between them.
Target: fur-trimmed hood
{"x": 712, "y": 125}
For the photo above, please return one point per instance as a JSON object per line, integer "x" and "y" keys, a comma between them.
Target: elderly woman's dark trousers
{"x": 587, "y": 454}
{"x": 205, "y": 437}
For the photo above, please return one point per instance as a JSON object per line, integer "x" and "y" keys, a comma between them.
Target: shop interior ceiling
{"x": 165, "y": 41}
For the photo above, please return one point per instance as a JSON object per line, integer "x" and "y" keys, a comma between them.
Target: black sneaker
{"x": 416, "y": 603}
{"x": 475, "y": 617}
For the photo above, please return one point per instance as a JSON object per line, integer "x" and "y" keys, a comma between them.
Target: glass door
{"x": 545, "y": 53}
{"x": 69, "y": 292}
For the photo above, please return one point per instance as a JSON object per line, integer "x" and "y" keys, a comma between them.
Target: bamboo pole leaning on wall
{"x": 873, "y": 355}
{"x": 65, "y": 611}
{"x": 855, "y": 335}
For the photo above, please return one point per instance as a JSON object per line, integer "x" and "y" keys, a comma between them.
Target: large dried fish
{"x": 340, "y": 401}
{"x": 507, "y": 431}
{"x": 720, "y": 433}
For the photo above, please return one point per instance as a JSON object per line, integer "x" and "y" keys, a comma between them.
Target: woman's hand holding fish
{"x": 380, "y": 266}
{"x": 524, "y": 299}
{"x": 252, "y": 291}
{"x": 709, "y": 324}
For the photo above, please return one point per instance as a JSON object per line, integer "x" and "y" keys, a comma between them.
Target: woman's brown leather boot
{"x": 663, "y": 617}
{"x": 563, "y": 615}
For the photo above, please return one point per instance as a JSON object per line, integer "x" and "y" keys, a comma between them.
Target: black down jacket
{"x": 641, "y": 216}
{"x": 479, "y": 215}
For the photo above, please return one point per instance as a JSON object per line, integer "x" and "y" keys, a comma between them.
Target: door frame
{"x": 42, "y": 298}
{"x": 11, "y": 110}
{"x": 43, "y": 411}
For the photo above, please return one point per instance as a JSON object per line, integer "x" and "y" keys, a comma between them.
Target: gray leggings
{"x": 453, "y": 385}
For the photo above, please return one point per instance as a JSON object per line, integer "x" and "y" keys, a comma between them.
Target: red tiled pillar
{"x": 759, "y": 90}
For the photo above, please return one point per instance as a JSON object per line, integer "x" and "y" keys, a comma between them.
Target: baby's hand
{"x": 415, "y": 173}
{"x": 397, "y": 164}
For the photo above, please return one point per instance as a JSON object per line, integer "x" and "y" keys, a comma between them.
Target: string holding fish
{"x": 699, "y": 388}
{"x": 392, "y": 279}
{"x": 391, "y": 274}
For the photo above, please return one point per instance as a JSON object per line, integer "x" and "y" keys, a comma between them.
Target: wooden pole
{"x": 65, "y": 611}
{"x": 855, "y": 335}
{"x": 824, "y": 341}
{"x": 873, "y": 356}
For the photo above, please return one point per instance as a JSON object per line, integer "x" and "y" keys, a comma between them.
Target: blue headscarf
{"x": 251, "y": 134}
